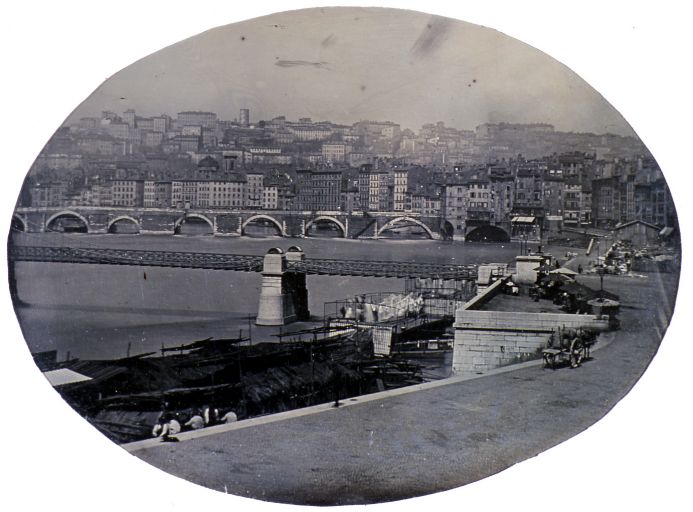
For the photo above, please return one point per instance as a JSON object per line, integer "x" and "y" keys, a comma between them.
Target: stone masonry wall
{"x": 227, "y": 224}
{"x": 485, "y": 340}
{"x": 480, "y": 351}
{"x": 159, "y": 222}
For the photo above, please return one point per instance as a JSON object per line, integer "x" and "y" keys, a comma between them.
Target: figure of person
{"x": 159, "y": 427}
{"x": 195, "y": 422}
{"x": 166, "y": 427}
{"x": 173, "y": 426}
{"x": 229, "y": 417}
{"x": 210, "y": 415}
{"x": 337, "y": 378}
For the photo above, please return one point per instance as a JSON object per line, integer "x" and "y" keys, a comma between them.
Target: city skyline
{"x": 148, "y": 114}
{"x": 408, "y": 74}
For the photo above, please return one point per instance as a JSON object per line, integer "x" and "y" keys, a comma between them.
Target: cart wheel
{"x": 549, "y": 361}
{"x": 576, "y": 353}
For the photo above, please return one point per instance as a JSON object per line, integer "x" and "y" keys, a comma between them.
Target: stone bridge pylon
{"x": 284, "y": 295}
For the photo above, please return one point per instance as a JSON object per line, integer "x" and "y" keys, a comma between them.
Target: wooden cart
{"x": 568, "y": 347}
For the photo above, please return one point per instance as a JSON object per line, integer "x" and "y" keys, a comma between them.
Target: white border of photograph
{"x": 636, "y": 54}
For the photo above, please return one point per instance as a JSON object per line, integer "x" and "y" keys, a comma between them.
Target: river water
{"x": 104, "y": 311}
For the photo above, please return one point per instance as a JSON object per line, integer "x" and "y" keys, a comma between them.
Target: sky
{"x": 351, "y": 64}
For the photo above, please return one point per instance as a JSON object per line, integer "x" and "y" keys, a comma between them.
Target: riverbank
{"x": 443, "y": 437}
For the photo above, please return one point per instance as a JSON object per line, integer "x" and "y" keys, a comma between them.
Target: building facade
{"x": 399, "y": 191}
{"x": 129, "y": 193}
{"x": 254, "y": 189}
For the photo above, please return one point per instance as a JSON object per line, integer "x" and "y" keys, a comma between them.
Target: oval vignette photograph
{"x": 343, "y": 256}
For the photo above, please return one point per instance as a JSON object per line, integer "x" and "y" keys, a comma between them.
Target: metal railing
{"x": 238, "y": 262}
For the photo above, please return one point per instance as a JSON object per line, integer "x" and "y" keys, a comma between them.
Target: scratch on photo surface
{"x": 432, "y": 36}
{"x": 297, "y": 63}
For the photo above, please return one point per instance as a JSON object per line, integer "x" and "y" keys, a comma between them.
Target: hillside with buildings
{"x": 468, "y": 178}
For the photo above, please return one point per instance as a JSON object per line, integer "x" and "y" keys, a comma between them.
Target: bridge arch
{"x": 261, "y": 216}
{"x": 181, "y": 220}
{"x": 391, "y": 223}
{"x": 194, "y": 216}
{"x": 487, "y": 233}
{"x": 18, "y": 223}
{"x": 121, "y": 218}
{"x": 326, "y": 218}
{"x": 66, "y": 213}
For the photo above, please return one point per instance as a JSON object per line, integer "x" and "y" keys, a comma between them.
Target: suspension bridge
{"x": 239, "y": 262}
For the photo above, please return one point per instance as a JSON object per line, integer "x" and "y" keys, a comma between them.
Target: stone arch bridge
{"x": 221, "y": 222}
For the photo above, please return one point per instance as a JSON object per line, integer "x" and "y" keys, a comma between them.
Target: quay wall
{"x": 485, "y": 340}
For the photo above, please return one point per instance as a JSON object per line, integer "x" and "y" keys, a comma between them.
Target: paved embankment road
{"x": 435, "y": 439}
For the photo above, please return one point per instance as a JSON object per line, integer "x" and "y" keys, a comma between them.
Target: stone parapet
{"x": 517, "y": 320}
{"x": 485, "y": 296}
